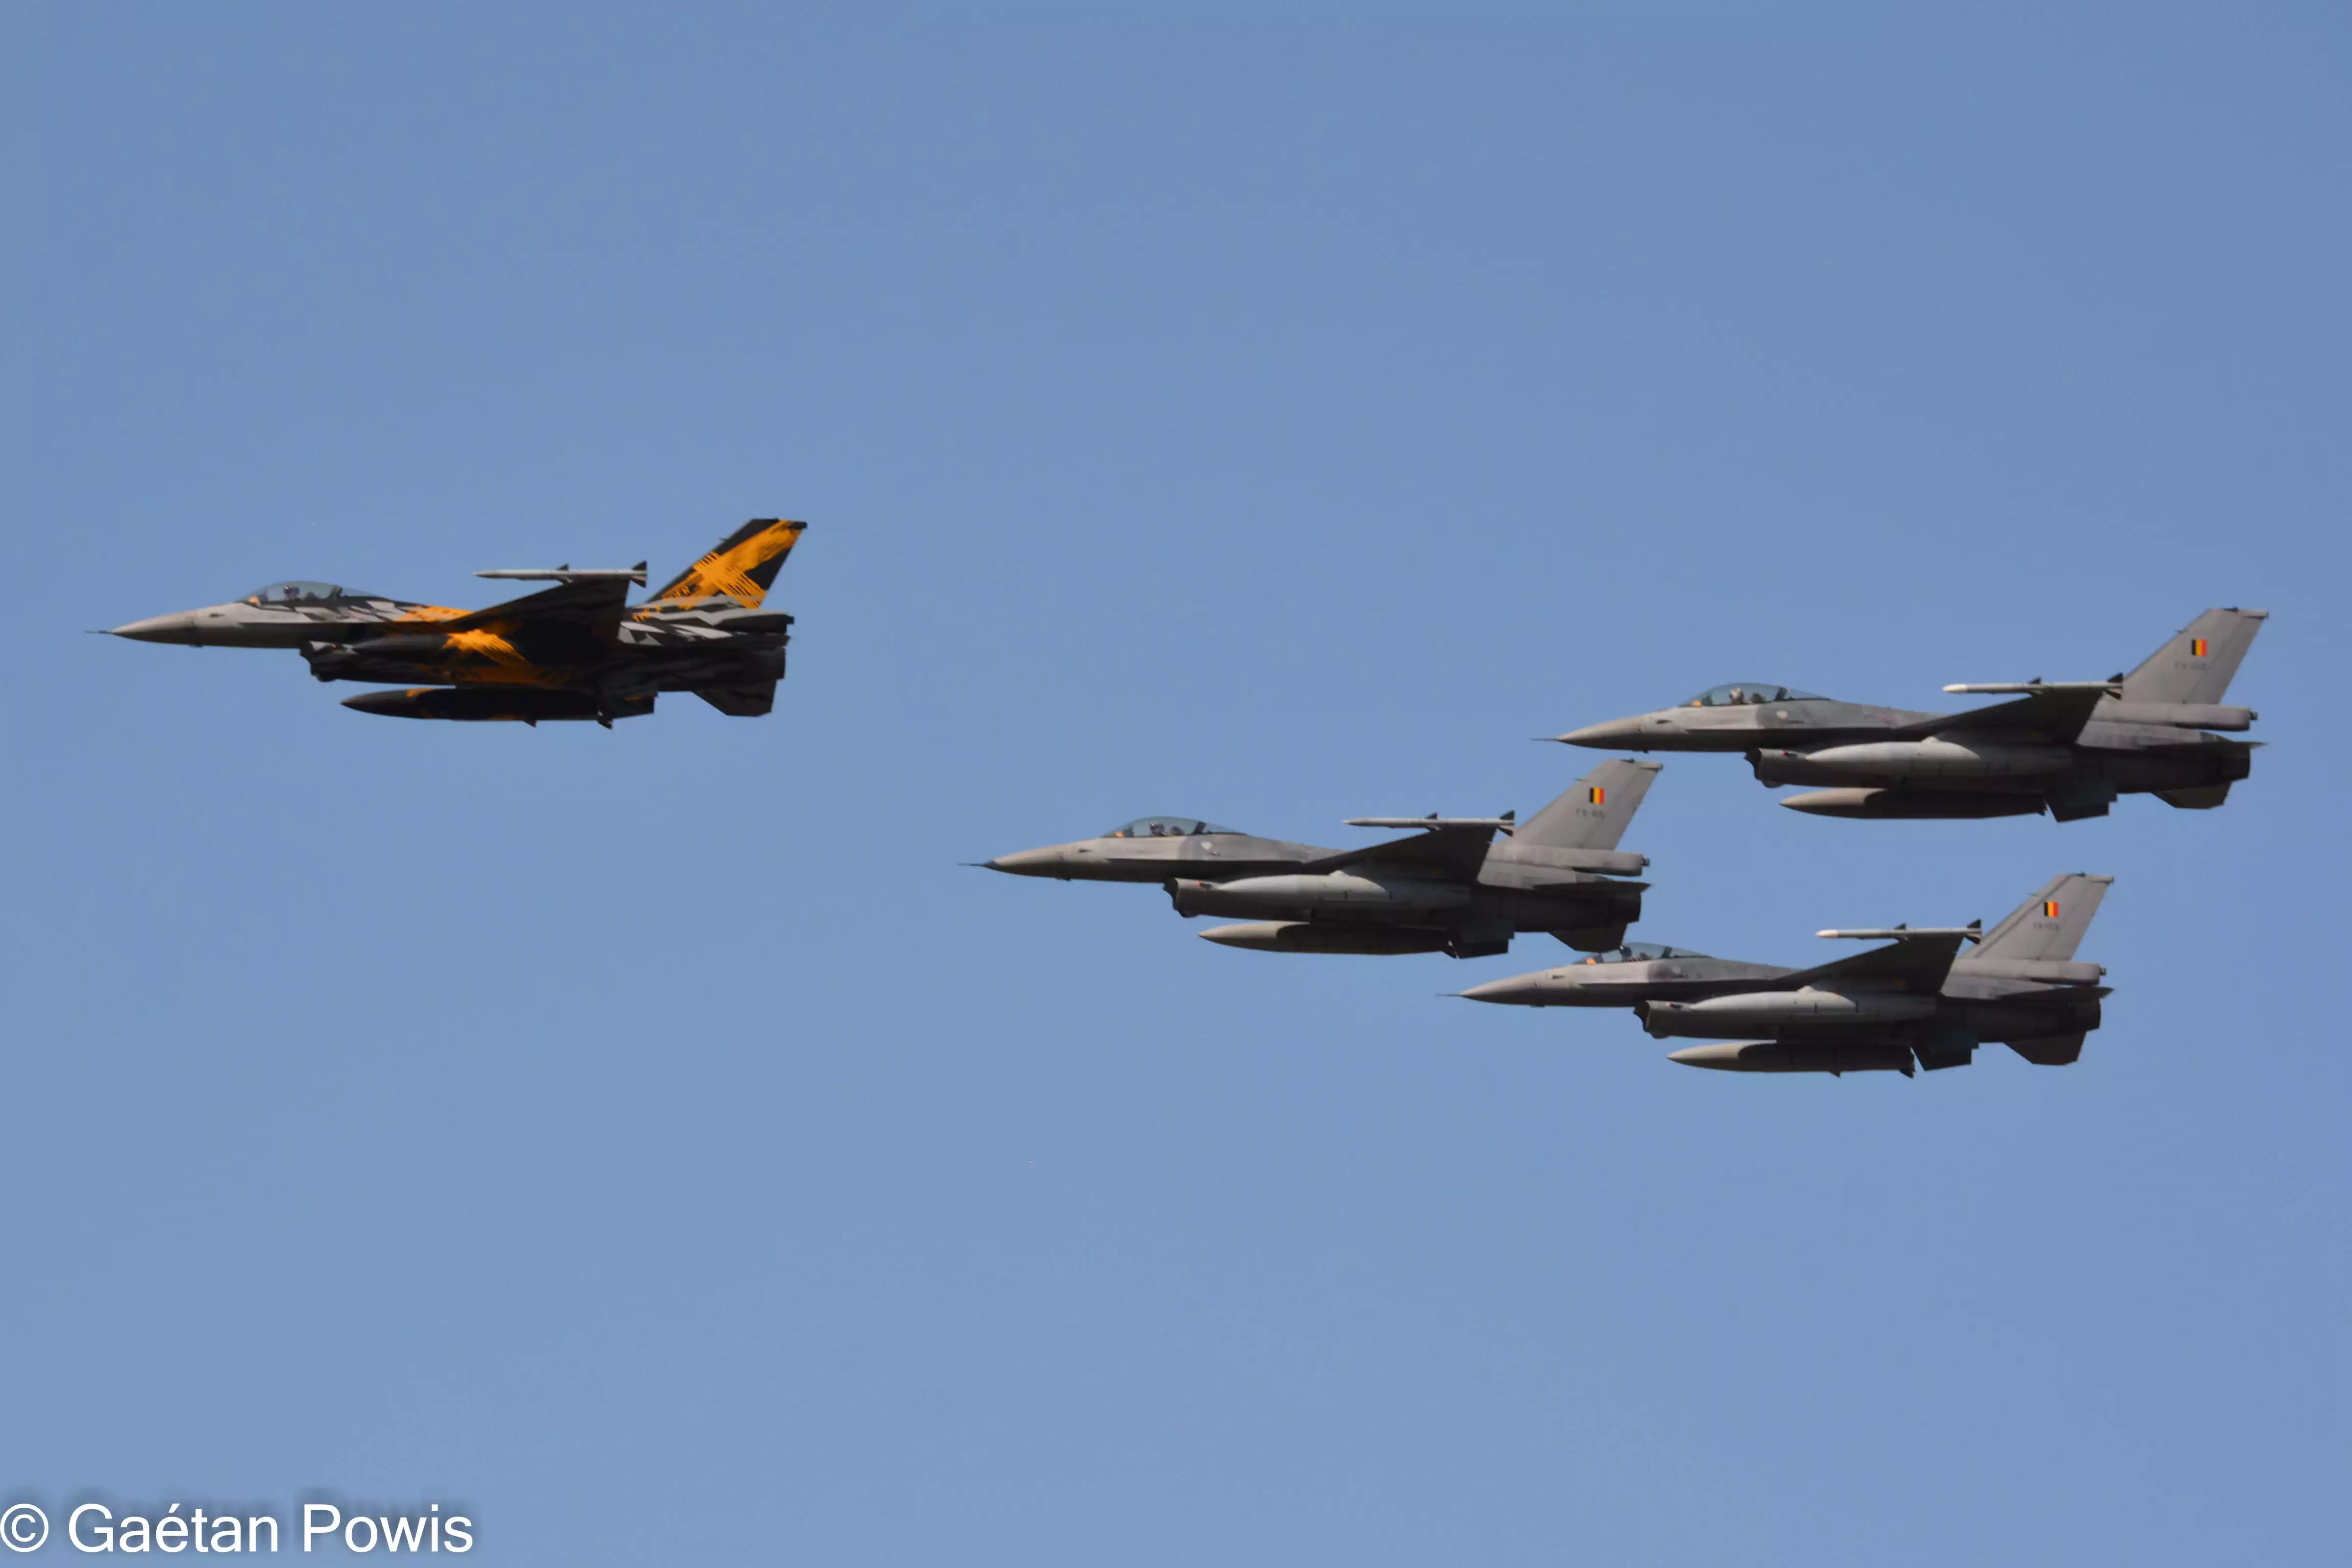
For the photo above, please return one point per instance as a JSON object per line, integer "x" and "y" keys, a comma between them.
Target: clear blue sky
{"x": 654, "y": 1141}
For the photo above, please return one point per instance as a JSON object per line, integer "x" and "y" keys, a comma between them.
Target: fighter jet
{"x": 2068, "y": 748}
{"x": 1914, "y": 1000}
{"x": 1451, "y": 887}
{"x": 578, "y": 651}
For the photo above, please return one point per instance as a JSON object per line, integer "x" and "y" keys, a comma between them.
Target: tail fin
{"x": 2050, "y": 924}
{"x": 2196, "y": 664}
{"x": 1593, "y": 815}
{"x": 742, "y": 568}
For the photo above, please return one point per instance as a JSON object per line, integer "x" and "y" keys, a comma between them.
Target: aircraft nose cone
{"x": 1616, "y": 733}
{"x": 1522, "y": 990}
{"x": 1029, "y": 862}
{"x": 180, "y": 628}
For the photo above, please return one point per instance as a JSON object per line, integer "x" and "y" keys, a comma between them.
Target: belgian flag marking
{"x": 2049, "y": 908}
{"x": 2197, "y": 648}
{"x": 1597, "y": 795}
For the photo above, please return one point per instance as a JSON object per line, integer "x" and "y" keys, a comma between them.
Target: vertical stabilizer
{"x": 1594, "y": 813}
{"x": 2050, "y": 925}
{"x": 741, "y": 569}
{"x": 2197, "y": 665}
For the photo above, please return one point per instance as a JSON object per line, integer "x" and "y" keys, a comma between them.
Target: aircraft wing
{"x": 1918, "y": 965}
{"x": 1453, "y": 851}
{"x": 596, "y": 603}
{"x": 2056, "y": 716}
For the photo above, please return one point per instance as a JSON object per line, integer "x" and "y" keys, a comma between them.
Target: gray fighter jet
{"x": 2067, "y": 748}
{"x": 578, "y": 651}
{"x": 1451, "y": 887}
{"x": 1916, "y": 999}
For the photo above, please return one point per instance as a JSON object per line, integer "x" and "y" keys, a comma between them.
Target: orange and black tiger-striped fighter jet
{"x": 577, "y": 650}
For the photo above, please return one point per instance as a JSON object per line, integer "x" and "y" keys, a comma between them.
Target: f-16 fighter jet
{"x": 578, "y": 651}
{"x": 1451, "y": 887}
{"x": 1914, "y": 1000}
{"x": 2068, "y": 748}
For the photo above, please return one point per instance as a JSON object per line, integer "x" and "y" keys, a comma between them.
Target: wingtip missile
{"x": 1903, "y": 932}
{"x": 568, "y": 574}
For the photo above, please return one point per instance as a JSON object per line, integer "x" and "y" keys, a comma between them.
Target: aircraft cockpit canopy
{"x": 1166, "y": 827}
{"x": 1641, "y": 952}
{"x": 1750, "y": 693}
{"x": 303, "y": 593}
